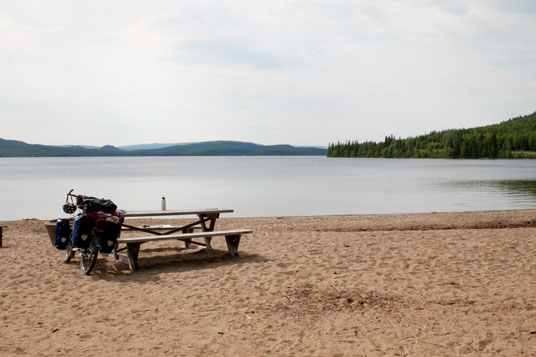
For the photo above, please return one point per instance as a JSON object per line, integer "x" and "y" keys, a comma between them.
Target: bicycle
{"x": 95, "y": 229}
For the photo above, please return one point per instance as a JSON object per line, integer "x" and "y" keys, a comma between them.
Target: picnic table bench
{"x": 1, "y": 233}
{"x": 206, "y": 221}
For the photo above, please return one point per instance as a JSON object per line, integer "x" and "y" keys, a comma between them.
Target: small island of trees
{"x": 515, "y": 138}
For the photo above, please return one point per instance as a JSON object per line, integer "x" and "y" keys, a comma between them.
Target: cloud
{"x": 302, "y": 72}
{"x": 233, "y": 54}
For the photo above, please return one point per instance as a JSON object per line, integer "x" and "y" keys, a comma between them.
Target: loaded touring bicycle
{"x": 94, "y": 228}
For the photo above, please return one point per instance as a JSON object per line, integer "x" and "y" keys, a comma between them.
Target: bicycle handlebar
{"x": 80, "y": 197}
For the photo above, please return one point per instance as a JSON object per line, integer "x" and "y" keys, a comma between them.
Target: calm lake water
{"x": 267, "y": 186}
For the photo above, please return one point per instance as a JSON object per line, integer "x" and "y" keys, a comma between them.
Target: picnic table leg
{"x": 210, "y": 228}
{"x": 133, "y": 249}
{"x": 114, "y": 251}
{"x": 232, "y": 244}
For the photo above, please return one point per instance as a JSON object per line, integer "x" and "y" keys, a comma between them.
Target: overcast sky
{"x": 298, "y": 72}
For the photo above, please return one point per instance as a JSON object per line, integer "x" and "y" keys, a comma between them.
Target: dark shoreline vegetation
{"x": 13, "y": 148}
{"x": 511, "y": 139}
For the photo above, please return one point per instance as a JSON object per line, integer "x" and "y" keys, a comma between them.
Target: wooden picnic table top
{"x": 209, "y": 211}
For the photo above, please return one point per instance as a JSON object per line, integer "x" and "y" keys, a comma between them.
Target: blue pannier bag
{"x": 82, "y": 230}
{"x": 106, "y": 240}
{"x": 63, "y": 233}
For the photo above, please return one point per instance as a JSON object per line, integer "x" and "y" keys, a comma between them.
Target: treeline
{"x": 515, "y": 138}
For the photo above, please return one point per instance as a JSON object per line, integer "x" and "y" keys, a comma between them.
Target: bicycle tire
{"x": 88, "y": 257}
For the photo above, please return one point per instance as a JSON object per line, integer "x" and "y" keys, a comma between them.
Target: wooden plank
{"x": 183, "y": 236}
{"x": 199, "y": 244}
{"x": 232, "y": 238}
{"x": 210, "y": 211}
{"x": 128, "y": 227}
{"x": 156, "y": 230}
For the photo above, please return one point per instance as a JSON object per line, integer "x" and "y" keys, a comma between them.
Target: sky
{"x": 311, "y": 72}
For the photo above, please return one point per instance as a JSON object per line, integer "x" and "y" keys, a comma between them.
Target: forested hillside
{"x": 515, "y": 138}
{"x": 230, "y": 148}
{"x": 13, "y": 148}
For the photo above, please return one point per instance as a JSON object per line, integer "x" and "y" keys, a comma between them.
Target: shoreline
{"x": 444, "y": 283}
{"x": 489, "y": 219}
{"x": 491, "y": 213}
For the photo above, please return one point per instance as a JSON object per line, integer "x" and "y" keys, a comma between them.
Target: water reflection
{"x": 493, "y": 186}
{"x": 514, "y": 193}
{"x": 524, "y": 187}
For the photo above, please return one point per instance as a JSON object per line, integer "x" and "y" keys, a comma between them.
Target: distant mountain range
{"x": 149, "y": 146}
{"x": 13, "y": 148}
{"x": 131, "y": 147}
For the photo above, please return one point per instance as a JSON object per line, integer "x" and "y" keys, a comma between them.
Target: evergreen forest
{"x": 514, "y": 138}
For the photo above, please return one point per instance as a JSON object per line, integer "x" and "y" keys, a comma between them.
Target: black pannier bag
{"x": 82, "y": 229}
{"x": 63, "y": 233}
{"x": 94, "y": 205}
{"x": 108, "y": 237}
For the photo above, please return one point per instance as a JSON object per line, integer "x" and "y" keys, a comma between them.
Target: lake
{"x": 267, "y": 186}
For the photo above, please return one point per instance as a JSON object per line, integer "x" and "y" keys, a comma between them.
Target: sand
{"x": 357, "y": 285}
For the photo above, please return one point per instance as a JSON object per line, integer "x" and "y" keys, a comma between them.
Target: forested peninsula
{"x": 514, "y": 138}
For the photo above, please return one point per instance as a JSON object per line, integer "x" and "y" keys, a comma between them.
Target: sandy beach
{"x": 441, "y": 284}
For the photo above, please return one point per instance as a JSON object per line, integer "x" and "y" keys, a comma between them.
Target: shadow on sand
{"x": 168, "y": 260}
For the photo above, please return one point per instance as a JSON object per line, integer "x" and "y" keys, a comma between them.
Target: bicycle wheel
{"x": 88, "y": 257}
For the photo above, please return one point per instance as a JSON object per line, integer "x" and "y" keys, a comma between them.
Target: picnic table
{"x": 205, "y": 220}
{"x": 1, "y": 233}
